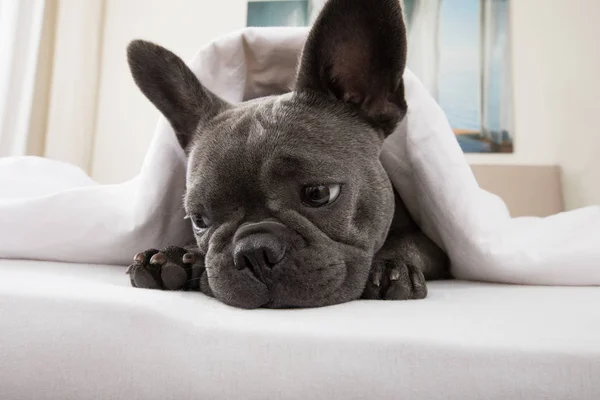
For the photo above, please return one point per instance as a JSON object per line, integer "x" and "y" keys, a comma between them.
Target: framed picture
{"x": 278, "y": 13}
{"x": 459, "y": 49}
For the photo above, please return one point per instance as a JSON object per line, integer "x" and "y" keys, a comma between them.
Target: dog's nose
{"x": 259, "y": 252}
{"x": 258, "y": 247}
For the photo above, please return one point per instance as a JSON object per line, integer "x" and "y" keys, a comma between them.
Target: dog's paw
{"x": 173, "y": 268}
{"x": 391, "y": 280}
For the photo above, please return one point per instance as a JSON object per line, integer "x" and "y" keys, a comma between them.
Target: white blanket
{"x": 53, "y": 211}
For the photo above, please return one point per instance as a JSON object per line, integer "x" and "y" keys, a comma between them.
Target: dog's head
{"x": 286, "y": 194}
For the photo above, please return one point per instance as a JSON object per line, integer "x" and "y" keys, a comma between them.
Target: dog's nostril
{"x": 257, "y": 258}
{"x": 272, "y": 256}
{"x": 258, "y": 252}
{"x": 241, "y": 261}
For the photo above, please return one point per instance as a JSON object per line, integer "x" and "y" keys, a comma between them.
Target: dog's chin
{"x": 308, "y": 278}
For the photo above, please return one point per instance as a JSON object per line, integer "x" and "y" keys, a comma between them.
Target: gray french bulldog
{"x": 287, "y": 197}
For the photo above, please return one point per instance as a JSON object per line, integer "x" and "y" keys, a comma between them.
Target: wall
{"x": 125, "y": 119}
{"x": 555, "y": 60}
{"x": 573, "y": 53}
{"x": 74, "y": 86}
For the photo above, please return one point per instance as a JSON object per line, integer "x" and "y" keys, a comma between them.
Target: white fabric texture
{"x": 52, "y": 211}
{"x": 20, "y": 35}
{"x": 80, "y": 332}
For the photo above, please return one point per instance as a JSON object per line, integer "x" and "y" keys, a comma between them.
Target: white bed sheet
{"x": 70, "y": 331}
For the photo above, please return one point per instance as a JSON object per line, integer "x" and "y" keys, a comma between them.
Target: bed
{"x": 75, "y": 331}
{"x": 79, "y": 331}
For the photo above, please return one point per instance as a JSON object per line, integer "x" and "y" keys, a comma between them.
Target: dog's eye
{"x": 199, "y": 222}
{"x": 320, "y": 195}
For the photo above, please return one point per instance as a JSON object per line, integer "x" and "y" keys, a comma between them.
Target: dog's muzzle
{"x": 260, "y": 246}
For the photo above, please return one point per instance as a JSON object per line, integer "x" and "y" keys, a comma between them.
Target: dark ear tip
{"x": 137, "y": 45}
{"x": 138, "y": 49}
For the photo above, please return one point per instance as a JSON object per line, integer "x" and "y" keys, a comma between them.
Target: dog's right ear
{"x": 173, "y": 88}
{"x": 356, "y": 52}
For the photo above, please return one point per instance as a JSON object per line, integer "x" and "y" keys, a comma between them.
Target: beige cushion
{"x": 526, "y": 190}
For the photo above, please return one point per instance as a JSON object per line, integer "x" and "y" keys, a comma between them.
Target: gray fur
{"x": 248, "y": 164}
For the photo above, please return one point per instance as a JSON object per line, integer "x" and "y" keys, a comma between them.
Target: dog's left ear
{"x": 356, "y": 51}
{"x": 173, "y": 88}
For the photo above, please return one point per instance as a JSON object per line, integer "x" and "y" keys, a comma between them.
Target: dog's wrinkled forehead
{"x": 281, "y": 138}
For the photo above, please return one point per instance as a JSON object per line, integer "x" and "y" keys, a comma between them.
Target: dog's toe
{"x": 399, "y": 283}
{"x": 173, "y": 276}
{"x": 142, "y": 278}
{"x": 419, "y": 287}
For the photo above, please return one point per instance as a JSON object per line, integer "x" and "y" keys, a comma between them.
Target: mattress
{"x": 70, "y": 331}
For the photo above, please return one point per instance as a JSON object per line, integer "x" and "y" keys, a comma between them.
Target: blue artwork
{"x": 277, "y": 13}
{"x": 460, "y": 50}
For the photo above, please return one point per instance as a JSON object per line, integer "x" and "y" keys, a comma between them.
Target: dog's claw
{"x": 188, "y": 258}
{"x": 377, "y": 275}
{"x": 394, "y": 274}
{"x": 376, "y": 279}
{"x": 139, "y": 258}
{"x": 158, "y": 259}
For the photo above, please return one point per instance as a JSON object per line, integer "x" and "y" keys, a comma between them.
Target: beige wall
{"x": 575, "y": 80}
{"x": 556, "y": 60}
{"x": 556, "y": 64}
{"x": 125, "y": 120}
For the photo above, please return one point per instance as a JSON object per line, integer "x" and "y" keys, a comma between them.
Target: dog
{"x": 286, "y": 195}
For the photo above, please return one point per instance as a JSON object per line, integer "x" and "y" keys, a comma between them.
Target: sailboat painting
{"x": 460, "y": 51}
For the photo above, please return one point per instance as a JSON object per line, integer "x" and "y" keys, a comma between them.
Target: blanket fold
{"x": 54, "y": 211}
